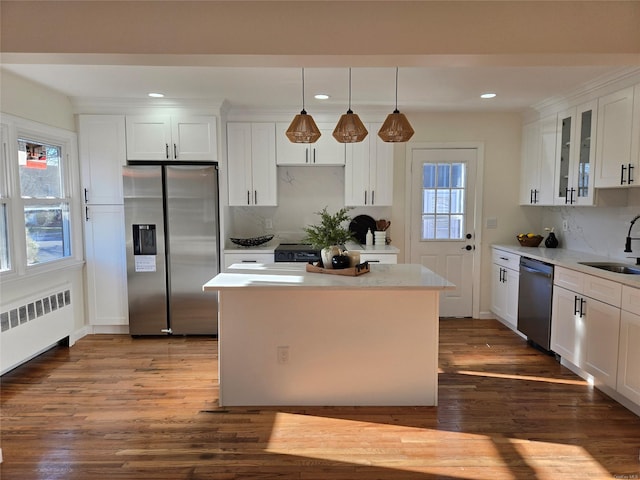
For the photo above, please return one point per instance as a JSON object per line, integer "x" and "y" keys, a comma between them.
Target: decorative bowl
{"x": 251, "y": 242}
{"x": 530, "y": 241}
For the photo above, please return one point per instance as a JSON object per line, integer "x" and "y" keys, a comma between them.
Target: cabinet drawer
{"x": 231, "y": 258}
{"x": 631, "y": 299}
{"x": 569, "y": 279}
{"x": 604, "y": 290}
{"x": 379, "y": 257}
{"x": 506, "y": 259}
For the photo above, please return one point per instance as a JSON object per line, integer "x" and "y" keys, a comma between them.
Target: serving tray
{"x": 360, "y": 269}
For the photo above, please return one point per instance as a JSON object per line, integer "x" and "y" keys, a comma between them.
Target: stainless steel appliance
{"x": 171, "y": 215}
{"x": 296, "y": 252}
{"x": 534, "y": 301}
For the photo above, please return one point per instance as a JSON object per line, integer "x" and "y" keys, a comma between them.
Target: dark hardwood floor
{"x": 117, "y": 408}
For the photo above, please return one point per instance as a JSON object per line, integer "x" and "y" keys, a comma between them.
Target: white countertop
{"x": 294, "y": 275}
{"x": 571, "y": 258}
{"x": 356, "y": 247}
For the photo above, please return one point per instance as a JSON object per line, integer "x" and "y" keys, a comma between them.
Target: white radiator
{"x": 31, "y": 326}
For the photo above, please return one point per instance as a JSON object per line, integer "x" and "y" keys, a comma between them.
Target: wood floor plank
{"x": 117, "y": 408}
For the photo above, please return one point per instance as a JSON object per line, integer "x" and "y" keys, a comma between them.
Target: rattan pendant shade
{"x": 396, "y": 128}
{"x": 303, "y": 128}
{"x": 350, "y": 128}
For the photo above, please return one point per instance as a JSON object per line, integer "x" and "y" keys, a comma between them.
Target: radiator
{"x": 31, "y": 326}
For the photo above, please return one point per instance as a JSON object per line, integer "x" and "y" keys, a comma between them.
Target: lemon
{"x": 530, "y": 235}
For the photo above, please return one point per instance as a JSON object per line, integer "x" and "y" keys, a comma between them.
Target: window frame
{"x": 26, "y": 129}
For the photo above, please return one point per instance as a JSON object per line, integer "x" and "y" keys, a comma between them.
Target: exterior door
{"x": 442, "y": 221}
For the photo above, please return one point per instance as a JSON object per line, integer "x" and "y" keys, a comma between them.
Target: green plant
{"x": 330, "y": 230}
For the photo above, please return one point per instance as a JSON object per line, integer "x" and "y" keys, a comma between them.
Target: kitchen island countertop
{"x": 294, "y": 275}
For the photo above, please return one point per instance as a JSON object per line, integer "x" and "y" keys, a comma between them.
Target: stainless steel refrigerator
{"x": 172, "y": 228}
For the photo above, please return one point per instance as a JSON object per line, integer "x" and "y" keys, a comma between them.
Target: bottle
{"x": 369, "y": 237}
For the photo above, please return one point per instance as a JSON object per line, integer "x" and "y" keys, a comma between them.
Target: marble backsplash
{"x": 600, "y": 230}
{"x": 302, "y": 191}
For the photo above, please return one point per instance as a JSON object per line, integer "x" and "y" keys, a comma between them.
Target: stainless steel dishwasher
{"x": 534, "y": 301}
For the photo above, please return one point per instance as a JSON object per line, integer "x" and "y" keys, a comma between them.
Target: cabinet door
{"x": 530, "y": 163}
{"x": 602, "y": 331}
{"x": 614, "y": 138}
{"x": 106, "y": 265}
{"x": 327, "y": 150}
{"x": 194, "y": 138}
{"x": 239, "y": 164}
{"x": 566, "y": 326}
{"x": 380, "y": 168}
{"x": 566, "y": 127}
{"x": 356, "y": 175}
{"x": 538, "y": 162}
{"x": 498, "y": 291}
{"x": 288, "y": 153}
{"x": 584, "y": 156}
{"x": 101, "y": 142}
{"x": 263, "y": 164}
{"x": 148, "y": 137}
{"x": 628, "y": 382}
{"x": 512, "y": 281}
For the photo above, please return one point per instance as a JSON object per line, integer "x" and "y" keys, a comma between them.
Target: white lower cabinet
{"x": 250, "y": 257}
{"x": 628, "y": 382}
{"x": 106, "y": 265}
{"x": 586, "y": 323}
{"x": 505, "y": 286}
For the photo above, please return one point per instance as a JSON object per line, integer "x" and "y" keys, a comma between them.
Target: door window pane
{"x": 443, "y": 201}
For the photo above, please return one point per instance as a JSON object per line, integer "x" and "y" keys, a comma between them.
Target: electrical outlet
{"x": 565, "y": 225}
{"x": 283, "y": 354}
{"x": 268, "y": 223}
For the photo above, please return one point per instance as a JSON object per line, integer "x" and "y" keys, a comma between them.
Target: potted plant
{"x": 330, "y": 234}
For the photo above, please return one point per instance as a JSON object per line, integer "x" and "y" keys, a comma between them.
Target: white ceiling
{"x": 434, "y": 88}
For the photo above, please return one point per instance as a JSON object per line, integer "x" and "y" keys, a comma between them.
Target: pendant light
{"x": 350, "y": 128}
{"x": 303, "y": 129}
{"x": 396, "y": 127}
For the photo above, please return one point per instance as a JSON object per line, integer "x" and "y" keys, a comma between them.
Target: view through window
{"x": 443, "y": 200}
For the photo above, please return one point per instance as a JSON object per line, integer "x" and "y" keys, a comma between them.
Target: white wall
{"x": 30, "y": 100}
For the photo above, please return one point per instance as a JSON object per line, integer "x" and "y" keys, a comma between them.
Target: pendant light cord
{"x": 396, "y": 110}
{"x": 349, "y": 111}
{"x": 303, "y": 91}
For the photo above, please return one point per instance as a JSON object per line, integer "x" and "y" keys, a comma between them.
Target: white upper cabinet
{"x": 101, "y": 143}
{"x": 368, "y": 174}
{"x": 251, "y": 152}
{"x": 325, "y": 151}
{"x": 576, "y": 130}
{"x": 169, "y": 138}
{"x": 538, "y": 162}
{"x": 618, "y": 146}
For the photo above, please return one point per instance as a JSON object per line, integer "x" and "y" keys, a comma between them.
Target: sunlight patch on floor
{"x": 563, "y": 381}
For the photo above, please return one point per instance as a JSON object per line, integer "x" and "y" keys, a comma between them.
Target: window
{"x": 443, "y": 200}
{"x": 45, "y": 203}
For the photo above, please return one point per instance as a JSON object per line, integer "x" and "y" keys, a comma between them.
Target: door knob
{"x": 467, "y": 247}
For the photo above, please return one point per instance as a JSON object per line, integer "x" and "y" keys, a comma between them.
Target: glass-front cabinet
{"x": 575, "y": 155}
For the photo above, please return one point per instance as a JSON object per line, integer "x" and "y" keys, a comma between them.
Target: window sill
{"x": 39, "y": 270}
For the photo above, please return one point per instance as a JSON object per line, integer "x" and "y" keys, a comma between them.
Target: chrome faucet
{"x": 627, "y": 243}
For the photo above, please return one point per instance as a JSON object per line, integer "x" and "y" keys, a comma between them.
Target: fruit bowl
{"x": 527, "y": 241}
{"x": 251, "y": 242}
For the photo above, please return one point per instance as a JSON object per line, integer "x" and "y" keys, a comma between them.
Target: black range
{"x": 296, "y": 252}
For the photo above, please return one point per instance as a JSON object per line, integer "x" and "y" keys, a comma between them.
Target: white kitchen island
{"x": 291, "y": 337}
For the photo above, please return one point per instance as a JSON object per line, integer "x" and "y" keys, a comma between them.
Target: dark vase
{"x": 551, "y": 241}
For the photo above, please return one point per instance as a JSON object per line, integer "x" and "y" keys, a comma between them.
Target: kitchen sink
{"x": 613, "y": 267}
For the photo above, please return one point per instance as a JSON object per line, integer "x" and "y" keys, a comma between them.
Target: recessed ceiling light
{"x": 156, "y": 95}
{"x": 321, "y": 96}
{"x": 488, "y": 95}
